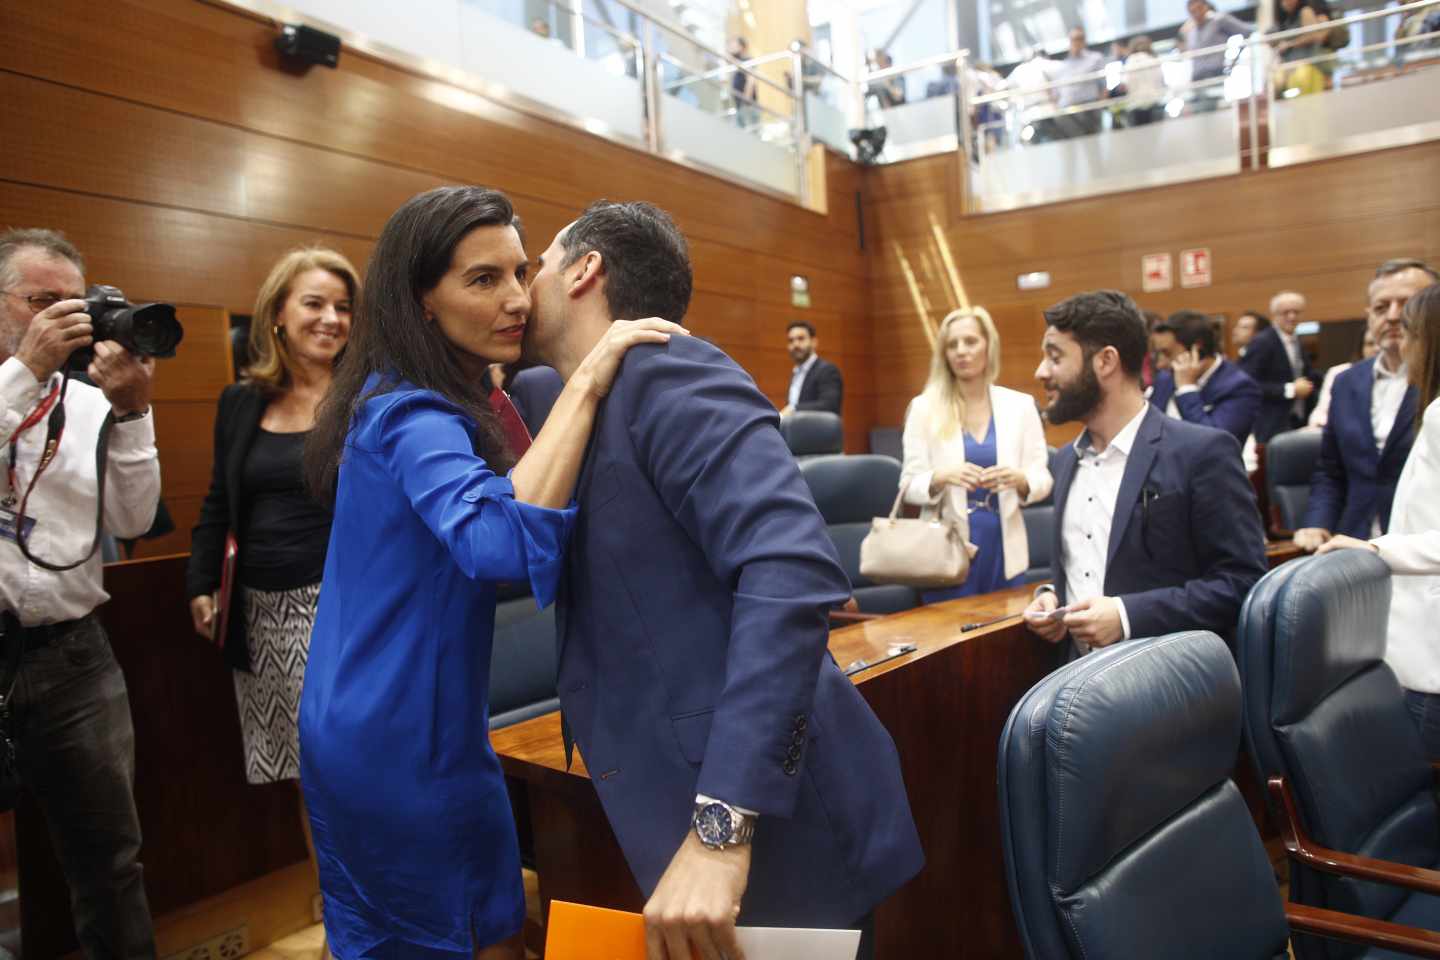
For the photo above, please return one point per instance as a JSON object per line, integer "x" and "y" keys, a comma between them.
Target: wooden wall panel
{"x": 1320, "y": 228}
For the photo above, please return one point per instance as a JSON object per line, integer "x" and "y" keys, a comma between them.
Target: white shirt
{"x": 1144, "y": 81}
{"x": 63, "y": 502}
{"x": 1198, "y": 385}
{"x": 1297, "y": 367}
{"x": 797, "y": 378}
{"x": 1385, "y": 399}
{"x": 1089, "y": 514}
{"x": 1412, "y": 548}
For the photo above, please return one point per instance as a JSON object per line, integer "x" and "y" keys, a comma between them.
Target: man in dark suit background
{"x": 1156, "y": 526}
{"x": 1275, "y": 360}
{"x": 1198, "y": 386}
{"x": 815, "y": 384}
{"x": 1371, "y": 426}
{"x": 693, "y": 620}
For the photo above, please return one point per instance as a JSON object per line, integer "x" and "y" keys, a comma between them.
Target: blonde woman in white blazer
{"x": 978, "y": 448}
{"x": 1411, "y": 546}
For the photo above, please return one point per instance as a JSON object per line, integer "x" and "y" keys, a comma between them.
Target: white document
{"x": 783, "y": 943}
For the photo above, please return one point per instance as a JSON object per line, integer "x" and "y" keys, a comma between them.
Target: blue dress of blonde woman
{"x": 393, "y": 720}
{"x": 1011, "y": 454}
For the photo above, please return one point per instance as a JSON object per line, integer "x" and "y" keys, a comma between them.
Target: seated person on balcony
{"x": 890, "y": 91}
{"x": 815, "y": 384}
{"x": 1198, "y": 385}
{"x": 1371, "y": 426}
{"x": 976, "y": 449}
{"x": 1080, "y": 62}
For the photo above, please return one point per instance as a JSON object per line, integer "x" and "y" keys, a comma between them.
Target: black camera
{"x": 146, "y": 329}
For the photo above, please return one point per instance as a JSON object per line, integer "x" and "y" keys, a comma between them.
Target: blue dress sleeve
{"x": 424, "y": 443}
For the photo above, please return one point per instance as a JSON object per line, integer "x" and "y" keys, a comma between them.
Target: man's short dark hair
{"x": 52, "y": 242}
{"x": 1401, "y": 264}
{"x": 1191, "y": 328}
{"x": 805, "y": 325}
{"x": 646, "y": 259}
{"x": 1262, "y": 322}
{"x": 1100, "y": 319}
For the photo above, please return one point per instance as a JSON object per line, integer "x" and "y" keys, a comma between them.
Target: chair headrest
{"x": 852, "y": 489}
{"x": 809, "y": 433}
{"x": 1290, "y": 457}
{"x": 1115, "y": 774}
{"x": 1329, "y": 622}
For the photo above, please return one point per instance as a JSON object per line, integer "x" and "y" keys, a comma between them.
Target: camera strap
{"x": 35, "y": 417}
{"x": 55, "y": 430}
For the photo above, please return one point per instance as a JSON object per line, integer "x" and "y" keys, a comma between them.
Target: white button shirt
{"x": 1089, "y": 515}
{"x": 797, "y": 378}
{"x": 1385, "y": 399}
{"x": 63, "y": 502}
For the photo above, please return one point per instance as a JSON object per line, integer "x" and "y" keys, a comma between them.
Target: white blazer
{"x": 1019, "y": 442}
{"x": 1412, "y": 546}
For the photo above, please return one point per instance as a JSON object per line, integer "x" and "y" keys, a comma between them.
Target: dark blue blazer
{"x": 1353, "y": 481}
{"x": 1186, "y": 544}
{"x": 1269, "y": 365}
{"x": 693, "y": 623}
{"x": 534, "y": 391}
{"x": 1228, "y": 401}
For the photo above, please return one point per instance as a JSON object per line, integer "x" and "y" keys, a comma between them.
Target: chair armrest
{"x": 1335, "y": 925}
{"x": 852, "y": 616}
{"x": 1299, "y": 845}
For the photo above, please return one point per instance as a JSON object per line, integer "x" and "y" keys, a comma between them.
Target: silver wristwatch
{"x": 719, "y": 825}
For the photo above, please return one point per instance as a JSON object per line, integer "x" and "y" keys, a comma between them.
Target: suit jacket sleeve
{"x": 1229, "y": 544}
{"x": 207, "y": 537}
{"x": 829, "y": 389}
{"x": 1234, "y": 412}
{"x": 1328, "y": 484}
{"x": 708, "y": 440}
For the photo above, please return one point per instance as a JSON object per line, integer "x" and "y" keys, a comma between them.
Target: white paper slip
{"x": 784, "y": 943}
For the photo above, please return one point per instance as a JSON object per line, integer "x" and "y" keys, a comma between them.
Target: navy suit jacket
{"x": 694, "y": 622}
{"x": 822, "y": 389}
{"x": 1186, "y": 544}
{"x": 1228, "y": 401}
{"x": 1269, "y": 365}
{"x": 1353, "y": 481}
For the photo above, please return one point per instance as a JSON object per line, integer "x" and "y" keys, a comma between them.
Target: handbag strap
{"x": 895, "y": 508}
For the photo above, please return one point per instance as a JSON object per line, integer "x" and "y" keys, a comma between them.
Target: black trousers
{"x": 76, "y": 756}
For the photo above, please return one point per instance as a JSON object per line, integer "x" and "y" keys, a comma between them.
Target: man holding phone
{"x": 1157, "y": 528}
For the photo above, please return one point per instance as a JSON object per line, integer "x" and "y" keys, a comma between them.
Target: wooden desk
{"x": 944, "y": 704}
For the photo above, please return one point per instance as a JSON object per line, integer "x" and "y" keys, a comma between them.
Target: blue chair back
{"x": 850, "y": 492}
{"x": 522, "y": 663}
{"x": 887, "y": 442}
{"x": 813, "y": 433}
{"x": 1290, "y": 460}
{"x": 1323, "y": 710}
{"x": 1123, "y": 834}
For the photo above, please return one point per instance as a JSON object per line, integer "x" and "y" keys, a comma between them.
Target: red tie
{"x": 516, "y": 434}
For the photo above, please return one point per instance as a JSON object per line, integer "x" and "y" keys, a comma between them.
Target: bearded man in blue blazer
{"x": 741, "y": 771}
{"x": 1199, "y": 386}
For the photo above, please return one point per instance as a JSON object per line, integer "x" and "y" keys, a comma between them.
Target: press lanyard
{"x": 36, "y": 415}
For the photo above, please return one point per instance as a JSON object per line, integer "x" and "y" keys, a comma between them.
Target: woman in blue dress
{"x": 413, "y": 829}
{"x": 976, "y": 448}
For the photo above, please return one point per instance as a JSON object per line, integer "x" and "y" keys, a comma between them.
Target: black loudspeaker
{"x": 308, "y": 45}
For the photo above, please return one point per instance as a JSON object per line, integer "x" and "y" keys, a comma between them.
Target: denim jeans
{"x": 1425, "y": 710}
{"x": 76, "y": 750}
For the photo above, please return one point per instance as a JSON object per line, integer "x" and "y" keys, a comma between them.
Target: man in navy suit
{"x": 1156, "y": 526}
{"x": 1371, "y": 426}
{"x": 1199, "y": 386}
{"x": 740, "y": 769}
{"x": 1275, "y": 360}
{"x": 815, "y": 383}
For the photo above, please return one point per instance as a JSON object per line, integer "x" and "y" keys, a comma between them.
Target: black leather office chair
{"x": 1327, "y": 727}
{"x": 1290, "y": 460}
{"x": 813, "y": 433}
{"x": 887, "y": 442}
{"x": 1039, "y": 520}
{"x": 850, "y": 492}
{"x": 1123, "y": 834}
{"x": 522, "y": 663}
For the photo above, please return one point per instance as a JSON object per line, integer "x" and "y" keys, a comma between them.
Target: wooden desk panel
{"x": 944, "y": 704}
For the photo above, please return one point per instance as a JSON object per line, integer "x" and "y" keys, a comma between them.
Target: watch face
{"x": 713, "y": 824}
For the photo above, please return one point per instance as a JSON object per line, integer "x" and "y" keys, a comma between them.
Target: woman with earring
{"x": 1411, "y": 545}
{"x": 972, "y": 447}
{"x": 413, "y": 827}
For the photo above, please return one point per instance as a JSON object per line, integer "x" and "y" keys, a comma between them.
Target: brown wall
{"x": 1320, "y": 228}
{"x": 183, "y": 161}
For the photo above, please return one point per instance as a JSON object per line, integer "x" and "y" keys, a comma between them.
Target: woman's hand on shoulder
{"x": 596, "y": 372}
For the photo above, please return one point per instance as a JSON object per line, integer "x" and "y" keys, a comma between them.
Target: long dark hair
{"x": 1422, "y": 321}
{"x": 390, "y": 335}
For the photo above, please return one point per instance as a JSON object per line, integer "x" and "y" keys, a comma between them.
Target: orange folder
{"x": 578, "y": 932}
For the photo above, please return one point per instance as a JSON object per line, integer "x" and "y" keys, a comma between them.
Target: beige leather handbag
{"x": 930, "y": 552}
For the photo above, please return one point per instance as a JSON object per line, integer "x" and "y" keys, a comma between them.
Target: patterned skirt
{"x": 277, "y": 623}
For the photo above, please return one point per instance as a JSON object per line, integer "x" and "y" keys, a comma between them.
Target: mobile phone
{"x": 1050, "y": 617}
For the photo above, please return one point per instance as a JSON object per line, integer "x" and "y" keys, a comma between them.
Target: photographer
{"x": 69, "y": 716}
